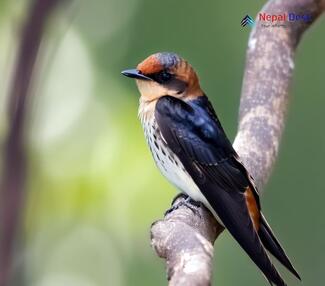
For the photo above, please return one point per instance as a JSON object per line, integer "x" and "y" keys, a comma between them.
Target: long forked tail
{"x": 273, "y": 246}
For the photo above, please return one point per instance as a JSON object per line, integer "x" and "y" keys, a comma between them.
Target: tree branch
{"x": 184, "y": 237}
{"x": 12, "y": 186}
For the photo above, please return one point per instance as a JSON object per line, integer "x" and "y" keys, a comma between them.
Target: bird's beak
{"x": 133, "y": 73}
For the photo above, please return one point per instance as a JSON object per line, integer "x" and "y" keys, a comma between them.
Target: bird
{"x": 192, "y": 150}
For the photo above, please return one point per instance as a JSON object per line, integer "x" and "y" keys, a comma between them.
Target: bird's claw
{"x": 192, "y": 205}
{"x": 188, "y": 202}
{"x": 180, "y": 195}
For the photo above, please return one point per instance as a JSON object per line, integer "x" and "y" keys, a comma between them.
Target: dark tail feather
{"x": 230, "y": 207}
{"x": 272, "y": 244}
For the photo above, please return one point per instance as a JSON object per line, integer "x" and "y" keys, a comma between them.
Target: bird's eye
{"x": 163, "y": 76}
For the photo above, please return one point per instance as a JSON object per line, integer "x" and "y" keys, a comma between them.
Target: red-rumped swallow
{"x": 193, "y": 152}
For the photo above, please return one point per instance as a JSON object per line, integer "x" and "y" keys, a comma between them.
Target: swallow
{"x": 192, "y": 151}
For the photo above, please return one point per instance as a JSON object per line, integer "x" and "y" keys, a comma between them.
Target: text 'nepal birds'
{"x": 192, "y": 151}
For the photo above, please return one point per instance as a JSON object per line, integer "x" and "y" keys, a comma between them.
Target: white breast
{"x": 169, "y": 164}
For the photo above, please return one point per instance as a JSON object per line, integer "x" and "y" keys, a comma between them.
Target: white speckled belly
{"x": 169, "y": 164}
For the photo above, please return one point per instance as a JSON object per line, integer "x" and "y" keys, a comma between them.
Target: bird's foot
{"x": 193, "y": 205}
{"x": 179, "y": 196}
{"x": 187, "y": 201}
{"x": 177, "y": 202}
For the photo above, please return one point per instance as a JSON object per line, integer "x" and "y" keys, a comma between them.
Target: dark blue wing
{"x": 193, "y": 132}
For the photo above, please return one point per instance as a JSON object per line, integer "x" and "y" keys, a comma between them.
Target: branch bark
{"x": 185, "y": 237}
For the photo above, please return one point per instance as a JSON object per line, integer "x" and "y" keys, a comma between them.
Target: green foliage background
{"x": 93, "y": 189}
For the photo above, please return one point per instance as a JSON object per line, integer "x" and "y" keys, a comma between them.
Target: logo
{"x": 284, "y": 17}
{"x": 247, "y": 20}
{"x": 267, "y": 20}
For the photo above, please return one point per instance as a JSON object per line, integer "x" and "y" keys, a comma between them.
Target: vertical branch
{"x": 12, "y": 187}
{"x": 265, "y": 91}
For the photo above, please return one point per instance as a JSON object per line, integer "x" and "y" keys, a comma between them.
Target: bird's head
{"x": 165, "y": 74}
